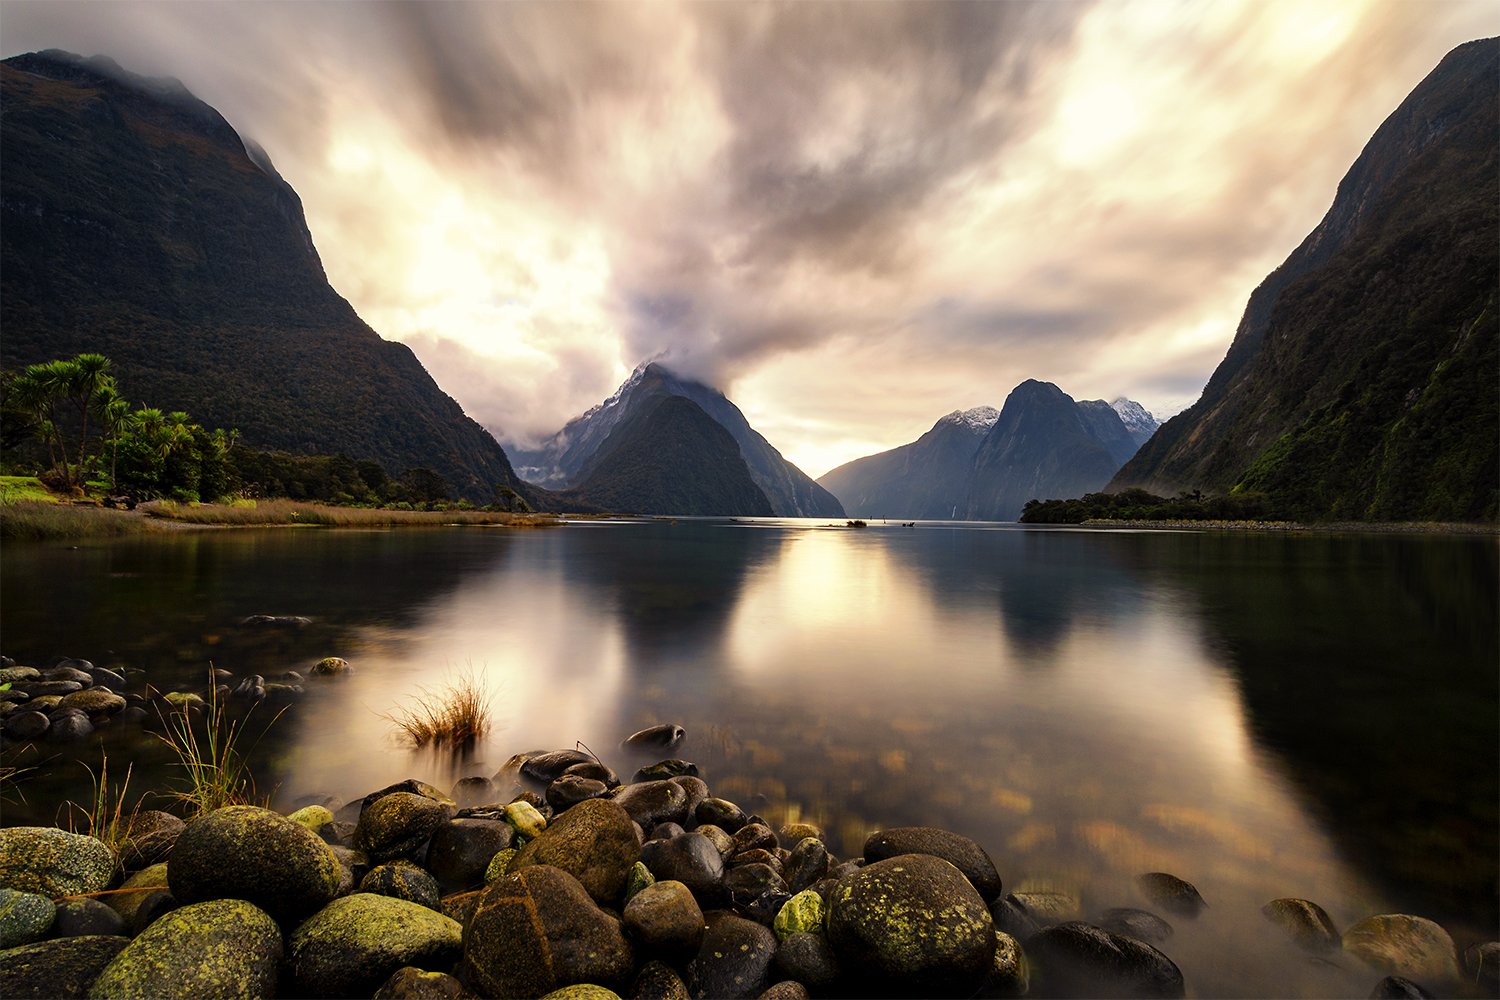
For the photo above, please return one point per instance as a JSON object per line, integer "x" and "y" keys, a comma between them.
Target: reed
{"x": 104, "y": 818}
{"x": 455, "y": 715}
{"x": 31, "y": 519}
{"x": 295, "y": 512}
{"x": 217, "y": 773}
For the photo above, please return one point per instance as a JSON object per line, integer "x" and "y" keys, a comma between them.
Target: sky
{"x": 850, "y": 218}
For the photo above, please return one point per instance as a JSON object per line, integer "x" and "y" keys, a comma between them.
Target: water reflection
{"x": 1264, "y": 716}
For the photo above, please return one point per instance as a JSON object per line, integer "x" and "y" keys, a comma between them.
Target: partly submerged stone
{"x": 220, "y": 948}
{"x": 53, "y": 862}
{"x": 1305, "y": 923}
{"x": 1170, "y": 893}
{"x": 662, "y": 737}
{"x": 1079, "y": 959}
{"x": 354, "y": 944}
{"x": 960, "y": 852}
{"x": 1399, "y": 944}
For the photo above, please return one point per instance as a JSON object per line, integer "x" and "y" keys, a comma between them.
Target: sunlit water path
{"x": 1265, "y": 715}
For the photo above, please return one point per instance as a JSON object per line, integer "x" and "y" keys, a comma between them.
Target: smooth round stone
{"x": 411, "y": 983}
{"x": 313, "y": 817}
{"x": 397, "y": 825}
{"x": 93, "y": 700}
{"x": 697, "y": 790}
{"x": 665, "y": 916}
{"x": 1304, "y": 922}
{"x": 1143, "y": 925}
{"x": 960, "y": 852}
{"x": 593, "y": 842}
{"x": 569, "y": 790}
{"x": 221, "y": 948}
{"x": 638, "y": 878}
{"x": 1079, "y": 959}
{"x": 24, "y": 917}
{"x": 354, "y": 944}
{"x": 1396, "y": 988}
{"x": 473, "y": 791}
{"x": 461, "y": 850}
{"x": 86, "y": 918}
{"x": 46, "y": 703}
{"x": 690, "y": 859}
{"x": 411, "y": 786}
{"x": 332, "y": 666}
{"x": 52, "y": 862}
{"x": 72, "y": 663}
{"x": 787, "y": 989}
{"x": 807, "y": 864}
{"x": 19, "y": 675}
{"x": 745, "y": 883}
{"x": 403, "y": 881}
{"x": 1010, "y": 975}
{"x": 665, "y": 831}
{"x": 662, "y": 737}
{"x": 104, "y": 677}
{"x": 720, "y": 813}
{"x": 735, "y": 960}
{"x": 62, "y": 967}
{"x": 807, "y": 958}
{"x": 44, "y": 687}
{"x": 658, "y": 981}
{"x": 758, "y": 856}
{"x": 595, "y": 770}
{"x": 247, "y": 853}
{"x": 129, "y": 904}
{"x": 1170, "y": 893}
{"x": 27, "y": 725}
{"x": 1482, "y": 966}
{"x": 582, "y": 991}
{"x": 537, "y": 930}
{"x": 723, "y": 842}
{"x": 912, "y": 923}
{"x": 69, "y": 727}
{"x": 525, "y": 819}
{"x": 149, "y": 835}
{"x": 804, "y": 913}
{"x": 548, "y": 767}
{"x": 754, "y": 836}
{"x": 1399, "y": 944}
{"x": 653, "y": 802}
{"x": 1046, "y": 908}
{"x": 791, "y": 834}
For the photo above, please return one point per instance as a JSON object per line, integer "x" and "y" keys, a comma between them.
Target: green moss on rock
{"x": 219, "y": 949}
{"x": 54, "y": 863}
{"x": 354, "y": 944}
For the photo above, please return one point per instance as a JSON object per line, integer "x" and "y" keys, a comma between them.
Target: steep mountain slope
{"x": 925, "y": 480}
{"x": 671, "y": 457}
{"x": 1040, "y": 448}
{"x": 135, "y": 224}
{"x": 1361, "y": 381}
{"x": 1138, "y": 421}
{"x": 1104, "y": 425}
{"x": 568, "y": 458}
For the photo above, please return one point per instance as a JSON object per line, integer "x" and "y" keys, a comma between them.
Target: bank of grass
{"x": 14, "y": 489}
{"x": 294, "y": 512}
{"x": 33, "y": 519}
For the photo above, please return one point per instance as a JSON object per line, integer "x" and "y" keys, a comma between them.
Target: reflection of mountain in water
{"x": 674, "y": 585}
{"x": 1369, "y": 664}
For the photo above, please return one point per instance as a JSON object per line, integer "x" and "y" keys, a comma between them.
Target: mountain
{"x": 1361, "y": 381}
{"x": 1042, "y": 447}
{"x": 1137, "y": 419}
{"x": 927, "y": 479}
{"x": 569, "y": 456}
{"x": 671, "y": 457}
{"x": 1104, "y": 425}
{"x": 135, "y": 223}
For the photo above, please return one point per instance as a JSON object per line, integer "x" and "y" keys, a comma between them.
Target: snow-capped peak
{"x": 1134, "y": 416}
{"x": 979, "y": 420}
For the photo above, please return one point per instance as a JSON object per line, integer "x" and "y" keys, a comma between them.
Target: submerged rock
{"x": 1399, "y": 944}
{"x": 1170, "y": 893}
{"x": 1142, "y": 925}
{"x": 1079, "y": 959}
{"x": 663, "y": 737}
{"x": 1305, "y": 923}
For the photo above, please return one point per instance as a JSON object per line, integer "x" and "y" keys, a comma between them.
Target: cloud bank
{"x": 853, "y": 218}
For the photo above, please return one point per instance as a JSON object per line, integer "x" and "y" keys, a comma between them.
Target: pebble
{"x": 1170, "y": 893}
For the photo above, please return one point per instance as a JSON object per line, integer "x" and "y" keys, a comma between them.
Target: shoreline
{"x": 1333, "y": 527}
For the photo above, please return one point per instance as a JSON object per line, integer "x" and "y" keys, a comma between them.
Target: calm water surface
{"x": 1264, "y": 715}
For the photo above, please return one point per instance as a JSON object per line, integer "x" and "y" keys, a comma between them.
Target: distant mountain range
{"x": 137, "y": 225}
{"x": 567, "y": 461}
{"x": 984, "y": 464}
{"x": 1361, "y": 381}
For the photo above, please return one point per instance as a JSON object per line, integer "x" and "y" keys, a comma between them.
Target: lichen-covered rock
{"x": 594, "y": 842}
{"x": 1304, "y": 922}
{"x": 1079, "y": 959}
{"x": 537, "y": 930}
{"x": 638, "y": 878}
{"x": 582, "y": 991}
{"x": 24, "y": 917}
{"x": 127, "y": 904}
{"x": 735, "y": 960}
{"x": 664, "y": 770}
{"x": 960, "y": 852}
{"x": 664, "y": 916}
{"x": 332, "y": 666}
{"x": 62, "y": 969}
{"x": 313, "y": 817}
{"x": 500, "y": 864}
{"x": 93, "y": 700}
{"x": 1399, "y": 944}
{"x": 787, "y": 989}
{"x": 354, "y": 944}
{"x": 461, "y": 851}
{"x": 403, "y": 880}
{"x": 243, "y": 852}
{"x": 570, "y": 789}
{"x": 1170, "y": 893}
{"x": 912, "y": 923}
{"x": 221, "y": 948}
{"x": 52, "y": 862}
{"x": 658, "y": 981}
{"x": 804, "y": 913}
{"x": 808, "y": 958}
{"x": 1010, "y": 975}
{"x": 524, "y": 817}
{"x": 397, "y": 825}
{"x": 411, "y": 983}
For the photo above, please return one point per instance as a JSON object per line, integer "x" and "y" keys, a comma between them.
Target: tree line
{"x": 66, "y": 421}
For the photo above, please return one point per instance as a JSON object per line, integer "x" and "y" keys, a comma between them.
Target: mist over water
{"x": 1264, "y": 715}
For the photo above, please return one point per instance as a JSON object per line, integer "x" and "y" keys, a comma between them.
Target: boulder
{"x": 411, "y": 785}
{"x": 27, "y": 725}
{"x": 1143, "y": 925}
{"x": 593, "y": 769}
{"x": 960, "y": 852}
{"x": 1170, "y": 893}
{"x": 314, "y": 817}
{"x": 149, "y": 835}
{"x": 1399, "y": 944}
{"x": 664, "y": 770}
{"x": 593, "y": 842}
{"x": 403, "y": 880}
{"x": 397, "y": 825}
{"x": 1046, "y": 908}
{"x": 665, "y": 917}
{"x": 807, "y": 864}
{"x": 1079, "y": 959}
{"x": 570, "y": 789}
{"x": 411, "y": 983}
{"x": 912, "y": 923}
{"x": 691, "y": 859}
{"x": 53, "y": 863}
{"x": 1396, "y": 988}
{"x": 1303, "y": 921}
{"x": 253, "y": 854}
{"x": 86, "y": 918}
{"x": 127, "y": 904}
{"x": 62, "y": 969}
{"x": 537, "y": 930}
{"x": 804, "y": 913}
{"x": 653, "y": 802}
{"x": 658, "y": 981}
{"x": 472, "y": 791}
{"x": 735, "y": 960}
{"x": 525, "y": 819}
{"x": 582, "y": 991}
{"x": 461, "y": 850}
{"x": 548, "y": 767}
{"x": 221, "y": 948}
{"x": 354, "y": 944}
{"x": 24, "y": 917}
{"x": 1482, "y": 966}
{"x": 93, "y": 700}
{"x": 807, "y": 958}
{"x": 720, "y": 813}
{"x": 68, "y": 726}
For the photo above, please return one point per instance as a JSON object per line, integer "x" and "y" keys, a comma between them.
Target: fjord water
{"x": 1263, "y": 714}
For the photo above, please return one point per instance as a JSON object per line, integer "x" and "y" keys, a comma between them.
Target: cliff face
{"x": 136, "y": 225}
{"x": 1360, "y": 383}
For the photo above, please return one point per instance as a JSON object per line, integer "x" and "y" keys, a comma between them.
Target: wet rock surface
{"x": 1079, "y": 959}
{"x": 960, "y": 852}
{"x": 62, "y": 968}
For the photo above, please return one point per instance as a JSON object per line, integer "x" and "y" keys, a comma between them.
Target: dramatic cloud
{"x": 853, "y": 218}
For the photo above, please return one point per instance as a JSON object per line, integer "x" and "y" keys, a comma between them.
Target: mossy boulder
{"x": 312, "y": 817}
{"x": 1399, "y": 944}
{"x": 500, "y": 864}
{"x": 243, "y": 852}
{"x": 403, "y": 880}
{"x": 411, "y": 983}
{"x": 53, "y": 862}
{"x": 397, "y": 825}
{"x": 804, "y": 913}
{"x": 538, "y": 930}
{"x": 93, "y": 700}
{"x": 221, "y": 948}
{"x": 960, "y": 852}
{"x": 594, "y": 842}
{"x": 582, "y": 991}
{"x": 62, "y": 969}
{"x": 24, "y": 917}
{"x": 354, "y": 944}
{"x": 912, "y": 923}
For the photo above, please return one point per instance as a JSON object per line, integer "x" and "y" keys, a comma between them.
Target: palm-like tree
{"x": 113, "y": 414}
{"x": 90, "y": 374}
{"x": 28, "y": 393}
{"x": 57, "y": 378}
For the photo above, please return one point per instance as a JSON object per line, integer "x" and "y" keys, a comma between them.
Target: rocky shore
{"x": 554, "y": 878}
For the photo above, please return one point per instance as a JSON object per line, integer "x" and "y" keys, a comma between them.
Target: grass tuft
{"x": 217, "y": 773}
{"x": 104, "y": 817}
{"x": 33, "y": 519}
{"x": 455, "y": 715}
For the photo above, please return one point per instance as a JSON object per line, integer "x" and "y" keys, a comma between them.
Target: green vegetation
{"x": 217, "y": 774}
{"x": 1138, "y": 505}
{"x": 104, "y": 818}
{"x": 48, "y": 519}
{"x": 456, "y": 715}
{"x": 290, "y": 512}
